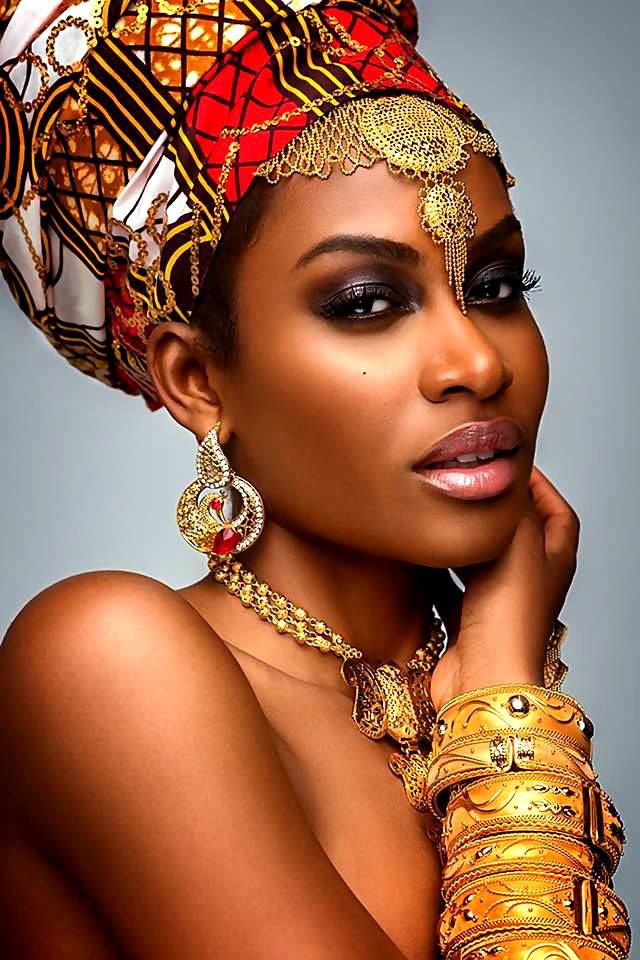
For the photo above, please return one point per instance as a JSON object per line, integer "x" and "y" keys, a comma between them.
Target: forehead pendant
{"x": 417, "y": 137}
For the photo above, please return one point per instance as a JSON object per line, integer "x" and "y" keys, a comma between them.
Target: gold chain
{"x": 388, "y": 701}
{"x": 286, "y": 617}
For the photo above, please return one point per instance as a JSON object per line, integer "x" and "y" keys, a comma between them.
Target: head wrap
{"x": 131, "y": 129}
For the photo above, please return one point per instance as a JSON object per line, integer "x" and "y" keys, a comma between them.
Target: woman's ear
{"x": 186, "y": 378}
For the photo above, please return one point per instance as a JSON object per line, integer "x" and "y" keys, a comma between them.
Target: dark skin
{"x": 181, "y": 774}
{"x": 326, "y": 419}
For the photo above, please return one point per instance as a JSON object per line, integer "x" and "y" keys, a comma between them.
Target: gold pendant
{"x": 420, "y": 692}
{"x": 382, "y": 703}
{"x": 412, "y": 768}
{"x": 389, "y": 701}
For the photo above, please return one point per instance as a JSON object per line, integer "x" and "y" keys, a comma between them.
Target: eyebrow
{"x": 385, "y": 249}
{"x": 372, "y": 246}
{"x": 490, "y": 238}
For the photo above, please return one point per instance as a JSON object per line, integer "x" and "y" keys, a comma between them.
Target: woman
{"x": 238, "y": 241}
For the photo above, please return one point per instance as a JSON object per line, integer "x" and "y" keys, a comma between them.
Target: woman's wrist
{"x": 463, "y": 677}
{"x": 499, "y": 674}
{"x": 529, "y": 841}
{"x": 483, "y": 655}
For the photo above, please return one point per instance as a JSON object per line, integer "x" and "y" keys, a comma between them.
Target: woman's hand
{"x": 499, "y": 627}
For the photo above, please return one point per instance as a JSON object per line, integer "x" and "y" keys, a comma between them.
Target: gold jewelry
{"x": 526, "y": 709}
{"x": 388, "y": 701}
{"x": 523, "y": 945}
{"x": 549, "y": 811}
{"x": 539, "y": 802}
{"x": 201, "y": 519}
{"x": 472, "y": 758}
{"x": 501, "y": 728}
{"x": 555, "y": 669}
{"x": 493, "y": 854}
{"x": 417, "y": 137}
{"x": 535, "y": 903}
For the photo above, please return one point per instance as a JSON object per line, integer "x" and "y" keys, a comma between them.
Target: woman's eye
{"x": 361, "y": 302}
{"x": 494, "y": 288}
{"x": 370, "y": 305}
{"x": 502, "y": 287}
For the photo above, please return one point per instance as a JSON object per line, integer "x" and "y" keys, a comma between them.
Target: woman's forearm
{"x": 529, "y": 840}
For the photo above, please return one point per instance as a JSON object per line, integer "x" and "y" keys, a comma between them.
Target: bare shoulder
{"x": 103, "y": 656}
{"x": 107, "y": 619}
{"x": 104, "y": 605}
{"x": 107, "y": 656}
{"x": 83, "y": 645}
{"x": 139, "y": 756}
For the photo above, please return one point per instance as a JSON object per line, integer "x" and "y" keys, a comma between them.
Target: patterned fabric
{"x": 129, "y": 132}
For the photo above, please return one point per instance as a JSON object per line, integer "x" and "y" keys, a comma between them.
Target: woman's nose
{"x": 460, "y": 356}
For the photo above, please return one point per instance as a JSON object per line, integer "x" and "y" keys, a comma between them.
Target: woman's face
{"x": 354, "y": 358}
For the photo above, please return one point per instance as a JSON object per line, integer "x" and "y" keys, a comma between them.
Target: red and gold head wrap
{"x": 131, "y": 129}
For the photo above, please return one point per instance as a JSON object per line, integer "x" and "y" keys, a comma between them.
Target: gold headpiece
{"x": 417, "y": 137}
{"x": 122, "y": 189}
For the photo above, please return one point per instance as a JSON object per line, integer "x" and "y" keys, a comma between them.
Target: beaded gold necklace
{"x": 388, "y": 701}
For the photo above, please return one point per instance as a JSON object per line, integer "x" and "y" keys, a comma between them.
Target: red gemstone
{"x": 225, "y": 541}
{"x": 215, "y": 504}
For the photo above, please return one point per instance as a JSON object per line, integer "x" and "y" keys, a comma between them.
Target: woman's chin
{"x": 464, "y": 544}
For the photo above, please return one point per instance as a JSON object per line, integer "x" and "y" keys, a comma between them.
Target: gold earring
{"x": 201, "y": 520}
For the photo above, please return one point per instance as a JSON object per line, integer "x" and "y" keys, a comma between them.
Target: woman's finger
{"x": 561, "y": 522}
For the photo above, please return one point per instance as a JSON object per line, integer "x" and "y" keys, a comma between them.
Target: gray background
{"x": 90, "y": 479}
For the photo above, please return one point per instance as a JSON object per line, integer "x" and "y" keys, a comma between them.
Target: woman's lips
{"x": 477, "y": 436}
{"x": 473, "y": 481}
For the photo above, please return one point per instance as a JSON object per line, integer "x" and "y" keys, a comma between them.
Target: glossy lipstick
{"x": 494, "y": 444}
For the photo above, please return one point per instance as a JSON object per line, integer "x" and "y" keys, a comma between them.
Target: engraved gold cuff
{"x": 524, "y": 709}
{"x": 528, "y": 840}
{"x": 538, "y": 905}
{"x": 535, "y": 803}
{"x": 493, "y": 854}
{"x": 475, "y": 757}
{"x": 523, "y": 946}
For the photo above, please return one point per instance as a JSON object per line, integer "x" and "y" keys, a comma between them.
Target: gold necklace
{"x": 388, "y": 701}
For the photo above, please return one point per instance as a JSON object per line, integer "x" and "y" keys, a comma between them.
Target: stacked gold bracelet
{"x": 497, "y": 729}
{"x": 529, "y": 841}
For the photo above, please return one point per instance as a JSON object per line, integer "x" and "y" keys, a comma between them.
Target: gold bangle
{"x": 525, "y": 709}
{"x": 472, "y": 879}
{"x": 536, "y": 903}
{"x": 523, "y": 946}
{"x": 535, "y": 803}
{"x": 493, "y": 854}
{"x": 475, "y": 757}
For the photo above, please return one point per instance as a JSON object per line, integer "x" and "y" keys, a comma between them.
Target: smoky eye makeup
{"x": 371, "y": 297}
{"x": 500, "y": 285}
{"x": 369, "y": 301}
{"x": 372, "y": 292}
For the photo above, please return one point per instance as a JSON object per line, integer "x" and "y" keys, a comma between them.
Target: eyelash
{"x": 523, "y": 284}
{"x": 341, "y": 308}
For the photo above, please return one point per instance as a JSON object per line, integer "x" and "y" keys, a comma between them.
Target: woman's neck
{"x": 379, "y": 605}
